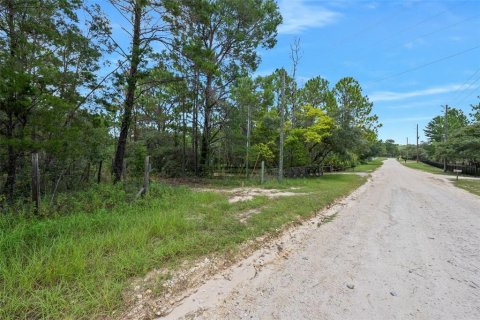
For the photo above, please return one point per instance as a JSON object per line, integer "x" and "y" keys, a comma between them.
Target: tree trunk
{"x": 99, "y": 174}
{"x": 195, "y": 125}
{"x": 130, "y": 96}
{"x": 209, "y": 102}
{"x": 184, "y": 137}
{"x": 9, "y": 188}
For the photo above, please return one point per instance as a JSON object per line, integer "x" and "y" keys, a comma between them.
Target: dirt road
{"x": 405, "y": 246}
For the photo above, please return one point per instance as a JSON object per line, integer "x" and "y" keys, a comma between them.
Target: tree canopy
{"x": 178, "y": 86}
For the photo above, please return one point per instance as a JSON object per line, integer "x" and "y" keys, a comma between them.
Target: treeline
{"x": 454, "y": 137}
{"x": 178, "y": 85}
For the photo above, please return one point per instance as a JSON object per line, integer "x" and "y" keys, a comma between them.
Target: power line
{"x": 433, "y": 32}
{"x": 471, "y": 92}
{"x": 355, "y": 35}
{"x": 427, "y": 64}
{"x": 411, "y": 27}
{"x": 445, "y": 28}
{"x": 460, "y": 90}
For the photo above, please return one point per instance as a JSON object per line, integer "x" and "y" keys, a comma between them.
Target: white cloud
{"x": 299, "y": 15}
{"x": 393, "y": 96}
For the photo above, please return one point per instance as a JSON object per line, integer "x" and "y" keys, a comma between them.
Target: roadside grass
{"x": 272, "y": 182}
{"x": 370, "y": 166}
{"x": 77, "y": 266}
{"x": 472, "y": 186}
{"x": 423, "y": 167}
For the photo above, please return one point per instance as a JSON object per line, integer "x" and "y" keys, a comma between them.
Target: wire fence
{"x": 450, "y": 167}
{"x": 272, "y": 172}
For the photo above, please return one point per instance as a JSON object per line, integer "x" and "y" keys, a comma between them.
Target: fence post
{"x": 146, "y": 177}
{"x": 35, "y": 182}
{"x": 262, "y": 173}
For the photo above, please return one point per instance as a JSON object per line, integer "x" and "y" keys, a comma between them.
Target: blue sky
{"x": 411, "y": 57}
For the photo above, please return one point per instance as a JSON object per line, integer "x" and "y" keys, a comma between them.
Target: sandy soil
{"x": 248, "y": 193}
{"x": 406, "y": 245}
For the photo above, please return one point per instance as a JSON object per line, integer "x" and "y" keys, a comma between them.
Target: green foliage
{"x": 262, "y": 152}
{"x": 464, "y": 144}
{"x": 48, "y": 61}
{"x": 435, "y": 129}
{"x": 313, "y": 126}
{"x": 475, "y": 114}
{"x": 391, "y": 148}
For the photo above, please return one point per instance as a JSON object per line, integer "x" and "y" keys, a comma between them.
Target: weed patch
{"x": 78, "y": 265}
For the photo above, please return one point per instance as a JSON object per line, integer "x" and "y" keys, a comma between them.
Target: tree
{"x": 391, "y": 148}
{"x": 142, "y": 35}
{"x": 220, "y": 38}
{"x": 435, "y": 129}
{"x": 241, "y": 115}
{"x": 317, "y": 93}
{"x": 295, "y": 56}
{"x": 354, "y": 123}
{"x": 476, "y": 111}
{"x": 313, "y": 126}
{"x": 463, "y": 145}
{"x": 46, "y": 61}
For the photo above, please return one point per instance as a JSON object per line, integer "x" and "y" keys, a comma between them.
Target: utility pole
{"x": 446, "y": 137}
{"x": 249, "y": 115}
{"x": 417, "y": 144}
{"x": 282, "y": 124}
{"x": 407, "y": 148}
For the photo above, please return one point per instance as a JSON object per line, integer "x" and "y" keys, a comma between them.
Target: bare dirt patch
{"x": 246, "y": 194}
{"x": 245, "y": 215}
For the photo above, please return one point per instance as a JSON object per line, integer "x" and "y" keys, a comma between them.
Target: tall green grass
{"x": 76, "y": 265}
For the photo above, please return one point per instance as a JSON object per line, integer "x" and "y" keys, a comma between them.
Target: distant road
{"x": 408, "y": 247}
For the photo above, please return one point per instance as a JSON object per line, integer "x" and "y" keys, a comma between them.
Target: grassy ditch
{"x": 423, "y": 167}
{"x": 77, "y": 266}
{"x": 472, "y": 186}
{"x": 370, "y": 166}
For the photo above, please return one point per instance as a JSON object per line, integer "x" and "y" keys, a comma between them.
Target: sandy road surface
{"x": 407, "y": 246}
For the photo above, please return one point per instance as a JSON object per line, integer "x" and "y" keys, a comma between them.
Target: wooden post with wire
{"x": 282, "y": 129}
{"x": 417, "y": 144}
{"x": 146, "y": 178}
{"x": 446, "y": 137}
{"x": 35, "y": 182}
{"x": 262, "y": 173}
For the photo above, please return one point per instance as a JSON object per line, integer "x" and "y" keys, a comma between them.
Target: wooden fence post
{"x": 35, "y": 182}
{"x": 146, "y": 178}
{"x": 262, "y": 173}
